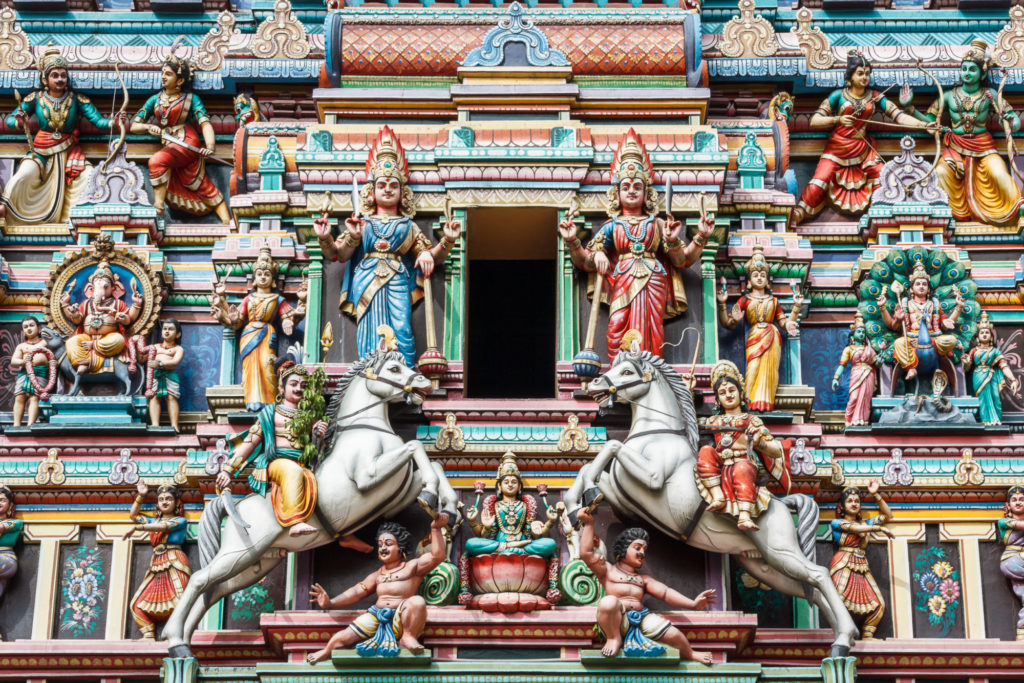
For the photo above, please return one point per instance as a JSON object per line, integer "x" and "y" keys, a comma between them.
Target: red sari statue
{"x": 643, "y": 284}
{"x": 849, "y": 167}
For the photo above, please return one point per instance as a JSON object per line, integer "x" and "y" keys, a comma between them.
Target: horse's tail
{"x": 806, "y": 521}
{"x": 209, "y": 530}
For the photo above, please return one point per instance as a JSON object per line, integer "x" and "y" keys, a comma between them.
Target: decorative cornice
{"x": 1008, "y": 51}
{"x": 215, "y": 43}
{"x": 15, "y": 48}
{"x": 281, "y": 36}
{"x": 813, "y": 42}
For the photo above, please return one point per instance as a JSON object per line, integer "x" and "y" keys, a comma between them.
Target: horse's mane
{"x": 373, "y": 359}
{"x": 675, "y": 382}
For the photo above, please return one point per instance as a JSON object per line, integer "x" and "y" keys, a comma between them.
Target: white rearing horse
{"x": 368, "y": 473}
{"x": 649, "y": 476}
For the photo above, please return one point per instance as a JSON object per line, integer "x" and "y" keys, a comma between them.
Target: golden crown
{"x": 725, "y": 368}
{"x": 508, "y": 466}
{"x": 103, "y": 269}
{"x": 631, "y": 160}
{"x": 51, "y": 59}
{"x": 387, "y": 158}
{"x": 978, "y": 52}
{"x": 919, "y": 272}
{"x": 984, "y": 323}
{"x": 264, "y": 261}
{"x": 757, "y": 261}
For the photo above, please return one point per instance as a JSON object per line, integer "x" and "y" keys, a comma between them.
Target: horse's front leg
{"x": 584, "y": 492}
{"x": 428, "y": 496}
{"x": 649, "y": 469}
{"x": 380, "y": 468}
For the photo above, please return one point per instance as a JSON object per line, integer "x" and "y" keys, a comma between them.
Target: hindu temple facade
{"x": 514, "y": 279}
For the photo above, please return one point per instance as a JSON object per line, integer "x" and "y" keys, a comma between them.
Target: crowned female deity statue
{"x": 508, "y": 523}
{"x": 973, "y": 175}
{"x": 849, "y": 167}
{"x": 862, "y": 359}
{"x": 763, "y": 312}
{"x": 256, "y": 315}
{"x": 991, "y": 373}
{"x": 639, "y": 255}
{"x": 55, "y": 172}
{"x": 180, "y": 122}
{"x": 388, "y": 254}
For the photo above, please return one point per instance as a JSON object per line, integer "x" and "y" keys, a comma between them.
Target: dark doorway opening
{"x": 511, "y": 316}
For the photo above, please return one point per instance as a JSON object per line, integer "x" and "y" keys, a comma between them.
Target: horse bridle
{"x": 371, "y": 374}
{"x": 614, "y": 389}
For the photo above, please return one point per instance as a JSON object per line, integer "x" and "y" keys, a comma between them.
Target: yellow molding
{"x": 50, "y": 536}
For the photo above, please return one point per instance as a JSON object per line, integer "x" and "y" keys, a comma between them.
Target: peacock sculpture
{"x": 895, "y": 274}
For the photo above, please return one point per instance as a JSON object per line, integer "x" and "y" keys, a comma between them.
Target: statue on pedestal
{"x": 54, "y": 174}
{"x": 37, "y": 371}
{"x": 398, "y": 618}
{"x": 1011, "y": 533}
{"x": 10, "y": 532}
{"x": 991, "y": 373}
{"x": 764, "y": 341}
{"x": 636, "y": 254}
{"x": 178, "y": 171}
{"x": 862, "y": 360}
{"x": 972, "y": 173}
{"x": 162, "y": 380}
{"x": 256, "y": 316}
{"x": 169, "y": 570}
{"x": 848, "y": 170}
{"x": 272, "y": 447}
{"x": 627, "y": 625}
{"x": 511, "y": 562}
{"x": 727, "y": 472}
{"x": 387, "y": 253}
{"x": 849, "y": 566}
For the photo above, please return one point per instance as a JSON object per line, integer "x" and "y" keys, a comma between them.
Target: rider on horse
{"x": 270, "y": 444}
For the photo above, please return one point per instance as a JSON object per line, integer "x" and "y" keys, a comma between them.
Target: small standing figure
{"x": 644, "y": 281}
{"x": 1011, "y": 533}
{"x": 991, "y": 373}
{"x": 862, "y": 360}
{"x": 256, "y": 316}
{"x": 274, "y": 450}
{"x": 103, "y": 319}
{"x": 31, "y": 351}
{"x": 178, "y": 170}
{"x": 10, "y": 532}
{"x": 849, "y": 568}
{"x": 508, "y": 522}
{"x": 848, "y": 170}
{"x": 398, "y": 618}
{"x": 164, "y": 364}
{"x": 764, "y": 341}
{"x": 727, "y": 472}
{"x": 628, "y": 625}
{"x": 169, "y": 571}
{"x": 55, "y": 173}
{"x": 389, "y": 254}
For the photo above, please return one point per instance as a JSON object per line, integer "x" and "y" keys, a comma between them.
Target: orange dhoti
{"x": 904, "y": 349}
{"x": 292, "y": 490}
{"x": 104, "y": 346}
{"x": 163, "y": 584}
{"x": 737, "y": 477}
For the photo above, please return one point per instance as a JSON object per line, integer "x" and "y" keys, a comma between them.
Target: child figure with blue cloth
{"x": 628, "y": 626}
{"x": 398, "y": 618}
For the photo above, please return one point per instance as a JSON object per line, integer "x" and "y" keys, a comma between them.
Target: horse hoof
{"x": 592, "y": 497}
{"x": 839, "y": 651}
{"x": 179, "y": 651}
{"x": 452, "y": 514}
{"x": 428, "y": 500}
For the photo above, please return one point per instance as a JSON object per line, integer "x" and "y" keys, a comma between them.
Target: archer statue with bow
{"x": 848, "y": 170}
{"x": 54, "y": 174}
{"x": 978, "y": 183}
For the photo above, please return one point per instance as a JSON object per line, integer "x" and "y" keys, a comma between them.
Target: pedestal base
{"x": 509, "y": 602}
{"x": 95, "y": 412}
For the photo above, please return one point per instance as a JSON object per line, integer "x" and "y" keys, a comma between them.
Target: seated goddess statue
{"x": 508, "y": 522}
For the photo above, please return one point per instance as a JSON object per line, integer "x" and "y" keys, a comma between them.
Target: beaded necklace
{"x": 636, "y": 241}
{"x": 382, "y": 238}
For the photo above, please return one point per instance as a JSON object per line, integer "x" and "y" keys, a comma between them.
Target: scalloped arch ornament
{"x": 515, "y": 29}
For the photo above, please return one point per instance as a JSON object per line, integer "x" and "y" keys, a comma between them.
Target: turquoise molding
{"x": 509, "y": 433}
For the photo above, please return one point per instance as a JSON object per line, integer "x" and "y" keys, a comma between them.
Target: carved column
{"x": 967, "y": 536}
{"x": 119, "y": 592}
{"x": 568, "y": 303}
{"x": 708, "y": 291}
{"x": 314, "y": 305}
{"x": 902, "y": 607}
{"x": 228, "y": 356}
{"x": 49, "y": 537}
{"x": 455, "y": 293}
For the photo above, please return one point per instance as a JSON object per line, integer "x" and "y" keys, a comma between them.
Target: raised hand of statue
{"x": 142, "y": 487}
{"x": 322, "y": 227}
{"x": 223, "y": 480}
{"x": 440, "y": 522}
{"x": 706, "y": 226}
{"x": 318, "y": 595}
{"x": 874, "y": 485}
{"x": 354, "y": 224}
{"x": 906, "y": 96}
{"x": 880, "y": 300}
{"x": 689, "y": 380}
{"x": 65, "y": 299}
{"x": 136, "y": 294}
{"x": 452, "y": 230}
{"x": 705, "y": 599}
{"x": 671, "y": 229}
{"x": 303, "y": 292}
{"x": 585, "y": 517}
{"x": 567, "y": 230}
{"x": 721, "y": 294}
{"x": 21, "y": 117}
